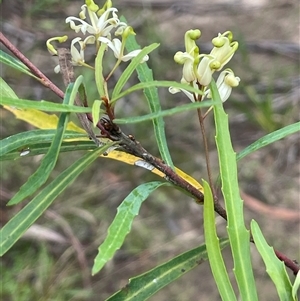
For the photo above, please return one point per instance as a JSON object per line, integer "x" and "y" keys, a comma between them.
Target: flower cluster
{"x": 103, "y": 23}
{"x": 199, "y": 68}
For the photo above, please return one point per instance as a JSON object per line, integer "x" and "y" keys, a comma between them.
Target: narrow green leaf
{"x": 153, "y": 84}
{"x": 270, "y": 138}
{"x": 215, "y": 258}
{"x": 37, "y": 179}
{"x": 6, "y": 90}
{"x": 25, "y": 139}
{"x": 274, "y": 267}
{"x": 146, "y": 285}
{"x": 42, "y": 105}
{"x": 10, "y": 61}
{"x": 145, "y": 75}
{"x": 296, "y": 286}
{"x": 96, "y": 111}
{"x": 121, "y": 224}
{"x": 169, "y": 112}
{"x": 14, "y": 229}
{"x": 239, "y": 236}
{"x": 130, "y": 69}
{"x": 43, "y": 148}
{"x": 99, "y": 70}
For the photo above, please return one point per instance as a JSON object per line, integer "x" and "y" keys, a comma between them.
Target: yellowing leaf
{"x": 189, "y": 179}
{"x": 132, "y": 160}
{"x": 40, "y": 119}
{"x": 43, "y": 120}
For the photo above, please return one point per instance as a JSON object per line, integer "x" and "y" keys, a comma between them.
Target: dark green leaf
{"x": 275, "y": 267}
{"x": 130, "y": 69}
{"x": 100, "y": 82}
{"x": 121, "y": 224}
{"x": 145, "y": 75}
{"x": 215, "y": 258}
{"x": 14, "y": 229}
{"x": 14, "y": 63}
{"x": 239, "y": 236}
{"x": 43, "y": 105}
{"x": 154, "y": 84}
{"x": 146, "y": 285}
{"x": 36, "y": 180}
{"x": 23, "y": 140}
{"x": 270, "y": 138}
{"x": 42, "y": 148}
{"x": 176, "y": 110}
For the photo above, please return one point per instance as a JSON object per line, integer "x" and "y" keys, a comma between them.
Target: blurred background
{"x": 54, "y": 258}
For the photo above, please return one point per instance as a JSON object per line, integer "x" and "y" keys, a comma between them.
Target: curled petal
{"x": 226, "y": 81}
{"x": 89, "y": 40}
{"x": 133, "y": 54}
{"x": 116, "y": 46}
{"x": 190, "y": 95}
{"x": 77, "y": 56}
{"x": 98, "y": 26}
{"x": 204, "y": 71}
{"x": 83, "y": 26}
{"x": 224, "y": 50}
{"x": 189, "y": 39}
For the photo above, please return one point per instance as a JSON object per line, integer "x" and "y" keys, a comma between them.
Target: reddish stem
{"x": 42, "y": 77}
{"x": 288, "y": 262}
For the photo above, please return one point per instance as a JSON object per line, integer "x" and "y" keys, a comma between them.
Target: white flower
{"x": 190, "y": 95}
{"x": 204, "y": 70}
{"x": 188, "y": 65}
{"x": 78, "y": 56}
{"x": 100, "y": 26}
{"x": 225, "y": 82}
{"x": 190, "y": 57}
{"x": 116, "y": 46}
{"x": 223, "y": 50}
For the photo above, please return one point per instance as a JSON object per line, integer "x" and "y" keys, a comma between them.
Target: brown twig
{"x": 292, "y": 265}
{"x": 217, "y": 205}
{"x": 206, "y": 150}
{"x": 67, "y": 71}
{"x": 135, "y": 148}
{"x": 41, "y": 76}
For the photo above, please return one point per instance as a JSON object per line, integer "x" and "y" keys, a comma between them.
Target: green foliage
{"x": 296, "y": 286}
{"x": 163, "y": 113}
{"x": 275, "y": 267}
{"x": 10, "y": 61}
{"x": 122, "y": 223}
{"x": 13, "y": 230}
{"x": 153, "y": 84}
{"x": 58, "y": 135}
{"x": 49, "y": 161}
{"x": 147, "y": 284}
{"x": 131, "y": 68}
{"x": 269, "y": 138}
{"x": 43, "y": 105}
{"x": 22, "y": 140}
{"x": 145, "y": 75}
{"x": 96, "y": 111}
{"x": 213, "y": 248}
{"x": 239, "y": 236}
